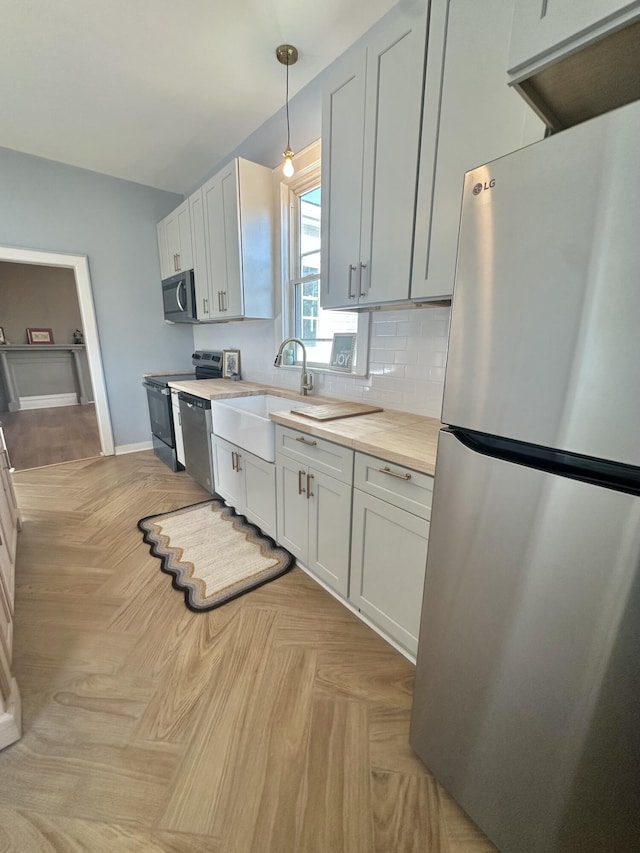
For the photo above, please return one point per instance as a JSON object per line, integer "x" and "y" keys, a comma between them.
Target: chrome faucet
{"x": 306, "y": 379}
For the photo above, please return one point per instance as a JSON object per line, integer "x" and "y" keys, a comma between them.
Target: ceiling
{"x": 158, "y": 91}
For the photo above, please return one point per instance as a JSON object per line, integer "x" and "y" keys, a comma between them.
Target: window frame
{"x": 306, "y": 177}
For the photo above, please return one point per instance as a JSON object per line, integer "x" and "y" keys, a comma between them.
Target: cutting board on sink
{"x": 333, "y": 411}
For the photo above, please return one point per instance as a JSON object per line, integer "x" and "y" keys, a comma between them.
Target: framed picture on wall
{"x": 231, "y": 362}
{"x": 40, "y": 336}
{"x": 342, "y": 350}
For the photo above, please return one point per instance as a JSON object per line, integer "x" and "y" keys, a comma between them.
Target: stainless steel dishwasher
{"x": 195, "y": 416}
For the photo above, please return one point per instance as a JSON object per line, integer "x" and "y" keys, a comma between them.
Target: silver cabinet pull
{"x": 309, "y": 492}
{"x": 300, "y": 486}
{"x": 220, "y": 300}
{"x": 205, "y": 305}
{"x": 179, "y": 267}
{"x": 306, "y": 441}
{"x": 360, "y": 290}
{"x": 350, "y": 293}
{"x": 224, "y": 300}
{"x": 387, "y": 470}
{"x": 233, "y": 460}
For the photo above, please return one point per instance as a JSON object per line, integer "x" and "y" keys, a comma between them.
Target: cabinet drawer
{"x": 325, "y": 456}
{"x": 400, "y": 486}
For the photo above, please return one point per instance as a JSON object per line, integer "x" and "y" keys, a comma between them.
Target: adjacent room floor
{"x": 37, "y": 437}
{"x": 275, "y": 724}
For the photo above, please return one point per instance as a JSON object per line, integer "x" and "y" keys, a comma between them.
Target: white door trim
{"x": 80, "y": 265}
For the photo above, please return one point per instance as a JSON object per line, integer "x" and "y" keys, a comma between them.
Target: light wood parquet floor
{"x": 38, "y": 437}
{"x": 275, "y": 724}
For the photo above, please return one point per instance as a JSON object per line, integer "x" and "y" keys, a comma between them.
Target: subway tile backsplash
{"x": 407, "y": 358}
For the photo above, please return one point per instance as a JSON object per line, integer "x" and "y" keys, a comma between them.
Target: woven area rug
{"x": 212, "y": 554}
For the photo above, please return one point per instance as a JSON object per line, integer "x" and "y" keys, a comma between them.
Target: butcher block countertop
{"x": 398, "y": 437}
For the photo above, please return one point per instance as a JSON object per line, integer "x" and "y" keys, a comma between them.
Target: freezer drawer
{"x": 528, "y": 673}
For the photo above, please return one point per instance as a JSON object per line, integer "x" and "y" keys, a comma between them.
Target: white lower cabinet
{"x": 246, "y": 482}
{"x": 10, "y": 718}
{"x": 390, "y": 533}
{"x": 314, "y": 485}
{"x": 314, "y": 521}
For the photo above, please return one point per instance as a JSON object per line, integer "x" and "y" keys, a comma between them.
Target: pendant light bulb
{"x": 287, "y": 167}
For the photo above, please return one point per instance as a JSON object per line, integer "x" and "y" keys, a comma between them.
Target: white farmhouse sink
{"x": 245, "y": 421}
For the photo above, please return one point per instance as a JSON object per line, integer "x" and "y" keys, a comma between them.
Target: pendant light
{"x": 287, "y": 55}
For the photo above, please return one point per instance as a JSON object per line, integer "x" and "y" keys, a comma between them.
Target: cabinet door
{"x": 198, "y": 242}
{"x": 166, "y": 265}
{"x": 388, "y": 560}
{"x": 222, "y": 240}
{"x": 395, "y": 74}
{"x": 185, "y": 251}
{"x": 329, "y": 529}
{"x": 7, "y": 484}
{"x": 232, "y": 302}
{"x": 260, "y": 492}
{"x": 214, "y": 243}
{"x": 292, "y": 509}
{"x": 540, "y": 26}
{"x": 172, "y": 238}
{"x": 229, "y": 482}
{"x": 343, "y": 105}
{"x": 469, "y": 119}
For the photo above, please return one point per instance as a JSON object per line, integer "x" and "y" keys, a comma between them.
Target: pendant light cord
{"x": 287, "y": 108}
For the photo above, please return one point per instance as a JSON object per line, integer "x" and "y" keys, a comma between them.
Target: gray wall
{"x": 58, "y": 208}
{"x": 266, "y": 144}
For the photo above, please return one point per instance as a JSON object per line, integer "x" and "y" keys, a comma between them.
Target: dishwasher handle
{"x": 194, "y": 402}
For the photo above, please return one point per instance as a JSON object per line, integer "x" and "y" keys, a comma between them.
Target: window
{"x": 303, "y": 316}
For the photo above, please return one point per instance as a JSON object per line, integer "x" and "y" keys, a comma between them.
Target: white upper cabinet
{"x": 224, "y": 232}
{"x": 547, "y": 29}
{"x": 238, "y": 222}
{"x": 177, "y": 231}
{"x": 470, "y": 117}
{"x": 370, "y": 140}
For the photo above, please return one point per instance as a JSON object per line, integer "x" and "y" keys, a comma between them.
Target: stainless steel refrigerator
{"x": 527, "y": 697}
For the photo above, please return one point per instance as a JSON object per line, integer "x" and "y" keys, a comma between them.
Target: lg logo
{"x": 477, "y": 188}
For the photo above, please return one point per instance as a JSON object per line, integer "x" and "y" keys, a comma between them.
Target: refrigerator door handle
{"x": 587, "y": 469}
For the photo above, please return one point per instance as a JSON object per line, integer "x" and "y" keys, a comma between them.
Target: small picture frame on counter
{"x": 342, "y": 350}
{"x": 3, "y": 339}
{"x": 40, "y": 336}
{"x": 231, "y": 363}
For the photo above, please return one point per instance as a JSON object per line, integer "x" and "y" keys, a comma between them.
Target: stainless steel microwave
{"x": 179, "y": 298}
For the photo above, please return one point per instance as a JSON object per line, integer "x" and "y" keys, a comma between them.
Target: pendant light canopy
{"x": 287, "y": 54}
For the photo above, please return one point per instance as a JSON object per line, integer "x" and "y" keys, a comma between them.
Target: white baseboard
{"x": 133, "y": 448}
{"x": 48, "y": 401}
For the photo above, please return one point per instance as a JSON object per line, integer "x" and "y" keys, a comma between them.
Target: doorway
{"x": 57, "y": 408}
